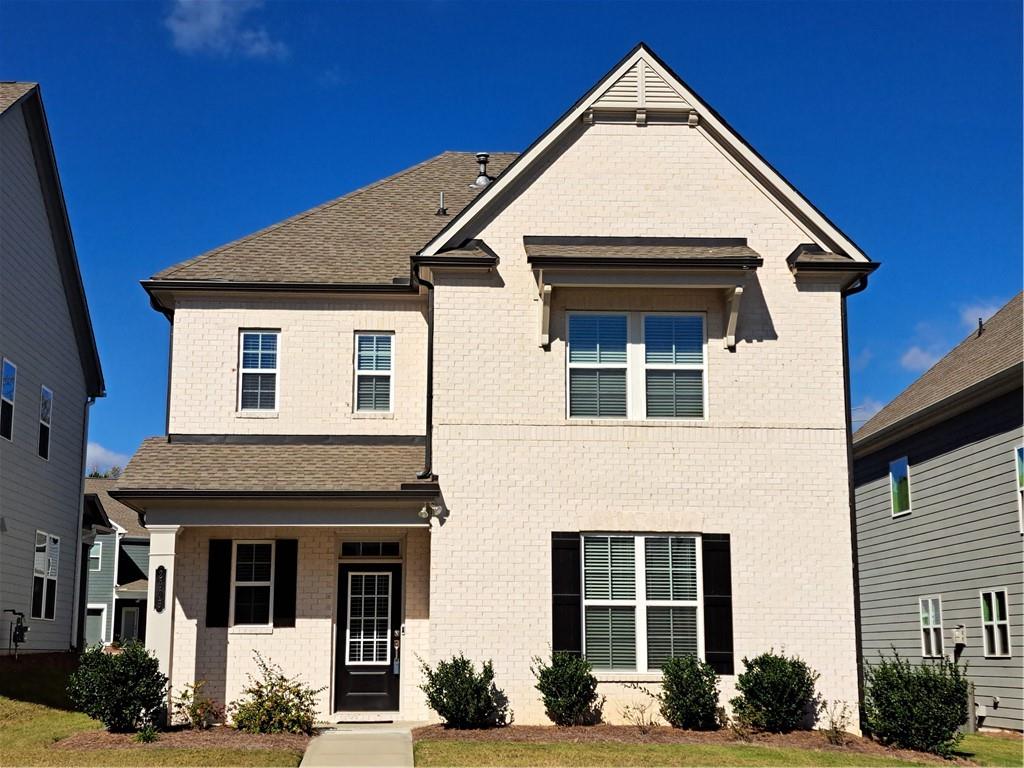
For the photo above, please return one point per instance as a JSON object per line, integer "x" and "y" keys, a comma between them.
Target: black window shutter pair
{"x": 218, "y": 586}
{"x": 566, "y": 598}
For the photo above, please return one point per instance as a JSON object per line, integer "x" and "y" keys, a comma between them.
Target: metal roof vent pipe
{"x": 482, "y": 179}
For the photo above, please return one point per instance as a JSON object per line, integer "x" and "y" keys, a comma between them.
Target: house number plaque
{"x": 160, "y": 589}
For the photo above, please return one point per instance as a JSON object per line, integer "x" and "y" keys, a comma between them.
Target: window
{"x": 373, "y": 371}
{"x": 384, "y": 549}
{"x": 674, "y": 366}
{"x": 368, "y": 633}
{"x": 257, "y": 389}
{"x": 899, "y": 486}
{"x": 1019, "y": 455}
{"x": 45, "y": 419}
{"x": 641, "y": 601}
{"x": 597, "y": 366}
{"x": 7, "y": 388}
{"x": 96, "y": 556}
{"x": 931, "y": 627}
{"x": 252, "y": 588}
{"x": 44, "y": 576}
{"x": 995, "y": 622}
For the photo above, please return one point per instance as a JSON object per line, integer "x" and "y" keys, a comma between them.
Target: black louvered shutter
{"x": 286, "y": 561}
{"x": 566, "y": 629}
{"x": 218, "y": 583}
{"x": 717, "y": 602}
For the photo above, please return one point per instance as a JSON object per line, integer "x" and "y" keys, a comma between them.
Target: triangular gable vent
{"x": 641, "y": 87}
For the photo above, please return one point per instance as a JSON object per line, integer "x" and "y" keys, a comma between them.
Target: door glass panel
{"x": 369, "y": 618}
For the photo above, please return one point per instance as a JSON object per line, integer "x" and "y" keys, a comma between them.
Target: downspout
{"x": 77, "y": 627}
{"x": 428, "y": 447}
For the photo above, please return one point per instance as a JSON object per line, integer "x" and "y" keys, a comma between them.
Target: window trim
{"x": 930, "y": 627}
{"x": 56, "y": 578}
{"x": 995, "y": 623}
{"x": 348, "y": 619}
{"x": 910, "y": 496}
{"x": 640, "y": 603}
{"x": 4, "y": 362}
{"x": 48, "y": 424}
{"x": 356, "y": 374}
{"x": 103, "y": 615}
{"x": 235, "y": 582}
{"x": 99, "y": 558}
{"x": 242, "y": 370}
{"x": 1018, "y": 468}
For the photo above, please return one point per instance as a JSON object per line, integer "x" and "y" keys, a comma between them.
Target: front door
{"x": 369, "y": 637}
{"x": 129, "y": 623}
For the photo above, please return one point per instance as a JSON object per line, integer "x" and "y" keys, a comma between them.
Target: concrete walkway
{"x": 370, "y": 745}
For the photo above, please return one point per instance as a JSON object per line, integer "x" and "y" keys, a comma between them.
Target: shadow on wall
{"x": 755, "y": 320}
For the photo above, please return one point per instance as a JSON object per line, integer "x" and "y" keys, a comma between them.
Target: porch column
{"x": 160, "y": 594}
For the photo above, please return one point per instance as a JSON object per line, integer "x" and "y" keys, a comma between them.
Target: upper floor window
{"x": 995, "y": 622}
{"x": 45, "y": 420}
{"x": 1019, "y": 456}
{"x": 8, "y": 385}
{"x": 373, "y": 371}
{"x": 44, "y": 576}
{"x": 899, "y": 486}
{"x": 96, "y": 556}
{"x": 257, "y": 371}
{"x": 635, "y": 365}
{"x": 931, "y": 627}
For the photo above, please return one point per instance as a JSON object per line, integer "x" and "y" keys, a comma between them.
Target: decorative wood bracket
{"x": 732, "y": 306}
{"x": 545, "y": 314}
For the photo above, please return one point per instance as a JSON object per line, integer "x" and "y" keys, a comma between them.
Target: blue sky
{"x": 179, "y": 126}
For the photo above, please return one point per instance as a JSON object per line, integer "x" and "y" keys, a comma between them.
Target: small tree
{"x": 125, "y": 691}
{"x": 569, "y": 689}
{"x": 776, "y": 693}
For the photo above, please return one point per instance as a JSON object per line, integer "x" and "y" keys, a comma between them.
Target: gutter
{"x": 79, "y": 582}
{"x": 428, "y": 448}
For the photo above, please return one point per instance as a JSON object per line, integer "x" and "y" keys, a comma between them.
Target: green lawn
{"x": 992, "y": 750}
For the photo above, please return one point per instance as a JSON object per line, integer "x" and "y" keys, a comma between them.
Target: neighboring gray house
{"x": 118, "y": 571}
{"x": 939, "y": 476}
{"x": 50, "y": 374}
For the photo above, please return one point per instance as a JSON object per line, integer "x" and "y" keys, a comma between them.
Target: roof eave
{"x": 742, "y": 263}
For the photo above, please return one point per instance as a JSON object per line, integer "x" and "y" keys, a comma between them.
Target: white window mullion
{"x": 641, "y": 603}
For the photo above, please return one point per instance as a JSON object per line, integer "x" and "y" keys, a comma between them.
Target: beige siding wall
{"x": 315, "y": 379}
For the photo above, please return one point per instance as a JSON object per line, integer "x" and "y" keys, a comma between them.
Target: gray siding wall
{"x": 138, "y": 553}
{"x": 36, "y": 333}
{"x": 962, "y": 536}
{"x": 101, "y": 582}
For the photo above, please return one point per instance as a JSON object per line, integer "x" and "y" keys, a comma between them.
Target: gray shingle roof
{"x": 10, "y": 92}
{"x": 364, "y": 237}
{"x": 597, "y": 248}
{"x": 118, "y": 513}
{"x": 978, "y": 357}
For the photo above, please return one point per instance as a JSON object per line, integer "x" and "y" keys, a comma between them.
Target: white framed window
{"x": 368, "y": 633}
{"x": 45, "y": 421}
{"x": 373, "y": 379}
{"x": 45, "y": 568}
{"x": 931, "y": 627}
{"x": 8, "y": 387}
{"x": 995, "y": 622}
{"x": 899, "y": 486}
{"x": 252, "y": 583}
{"x": 257, "y": 370}
{"x": 597, "y": 362}
{"x": 675, "y": 359}
{"x": 96, "y": 556}
{"x": 1018, "y": 455}
{"x": 641, "y": 599}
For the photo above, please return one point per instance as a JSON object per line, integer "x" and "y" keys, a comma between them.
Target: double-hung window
{"x": 8, "y": 385}
{"x": 258, "y": 369}
{"x": 674, "y": 366}
{"x": 899, "y": 486}
{"x": 995, "y": 622}
{"x": 373, "y": 369}
{"x": 96, "y": 556}
{"x": 640, "y": 600}
{"x": 1018, "y": 455}
{"x": 931, "y": 627}
{"x": 45, "y": 565}
{"x": 252, "y": 584}
{"x": 598, "y": 366}
{"x": 45, "y": 420}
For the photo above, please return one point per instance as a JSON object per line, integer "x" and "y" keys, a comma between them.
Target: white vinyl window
{"x": 368, "y": 634}
{"x": 1018, "y": 455}
{"x": 373, "y": 372}
{"x": 257, "y": 370}
{"x": 45, "y": 421}
{"x": 597, "y": 366}
{"x": 674, "y": 362}
{"x": 995, "y": 622}
{"x": 252, "y": 583}
{"x": 96, "y": 556}
{"x": 8, "y": 386}
{"x": 641, "y": 600}
{"x": 45, "y": 566}
{"x": 931, "y": 627}
{"x": 899, "y": 486}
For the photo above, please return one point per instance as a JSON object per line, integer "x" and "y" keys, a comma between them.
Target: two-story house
{"x": 507, "y": 403}
{"x": 50, "y": 375}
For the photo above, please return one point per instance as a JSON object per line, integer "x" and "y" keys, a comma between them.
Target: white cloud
{"x": 219, "y": 27}
{"x": 861, "y": 413}
{"x": 918, "y": 359}
{"x": 970, "y": 313}
{"x": 862, "y": 359}
{"x": 103, "y": 458}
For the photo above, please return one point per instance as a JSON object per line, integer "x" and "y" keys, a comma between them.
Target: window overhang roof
{"x": 700, "y": 253}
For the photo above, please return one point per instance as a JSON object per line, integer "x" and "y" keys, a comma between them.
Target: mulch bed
{"x": 627, "y": 734}
{"x": 217, "y": 737}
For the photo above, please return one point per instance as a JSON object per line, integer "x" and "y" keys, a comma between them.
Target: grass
{"x": 992, "y": 750}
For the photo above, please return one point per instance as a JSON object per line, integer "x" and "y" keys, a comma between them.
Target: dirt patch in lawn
{"x": 626, "y": 734}
{"x": 222, "y": 737}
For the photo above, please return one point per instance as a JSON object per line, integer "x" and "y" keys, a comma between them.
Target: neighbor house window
{"x": 373, "y": 368}
{"x": 641, "y": 600}
{"x": 257, "y": 386}
{"x": 44, "y": 576}
{"x": 1019, "y": 456}
{"x": 995, "y": 622}
{"x": 674, "y": 363}
{"x": 8, "y": 385}
{"x": 252, "y": 588}
{"x": 597, "y": 366}
{"x": 899, "y": 486}
{"x": 96, "y": 557}
{"x": 45, "y": 420}
{"x": 931, "y": 627}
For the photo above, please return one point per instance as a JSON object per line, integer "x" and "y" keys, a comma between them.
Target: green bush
{"x": 125, "y": 691}
{"x": 569, "y": 689}
{"x": 689, "y": 694}
{"x": 462, "y": 697}
{"x": 916, "y": 707}
{"x": 196, "y": 710}
{"x": 776, "y": 693}
{"x": 273, "y": 703}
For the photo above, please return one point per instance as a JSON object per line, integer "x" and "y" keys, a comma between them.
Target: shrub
{"x": 463, "y": 698}
{"x": 274, "y": 703}
{"x": 639, "y": 715}
{"x": 916, "y": 707}
{"x": 147, "y": 734}
{"x": 689, "y": 694}
{"x": 776, "y": 693}
{"x": 125, "y": 691}
{"x": 569, "y": 689}
{"x": 197, "y": 711}
{"x": 837, "y": 722}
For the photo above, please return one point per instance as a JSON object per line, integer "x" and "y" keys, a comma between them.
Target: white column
{"x": 160, "y": 624}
